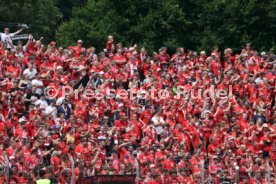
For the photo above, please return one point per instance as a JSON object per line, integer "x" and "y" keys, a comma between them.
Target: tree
{"x": 148, "y": 23}
{"x": 193, "y": 24}
{"x": 66, "y": 6}
{"x": 231, "y": 23}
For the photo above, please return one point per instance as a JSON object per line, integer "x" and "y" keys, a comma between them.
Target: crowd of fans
{"x": 168, "y": 138}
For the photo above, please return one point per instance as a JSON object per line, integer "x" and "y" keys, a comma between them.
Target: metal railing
{"x": 7, "y": 166}
{"x": 204, "y": 175}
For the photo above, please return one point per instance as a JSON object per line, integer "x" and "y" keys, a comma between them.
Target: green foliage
{"x": 231, "y": 23}
{"x": 66, "y": 6}
{"x": 148, "y": 23}
{"x": 193, "y": 24}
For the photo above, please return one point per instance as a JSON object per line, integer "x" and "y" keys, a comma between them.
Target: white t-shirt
{"x": 38, "y": 83}
{"x": 158, "y": 119}
{"x": 5, "y": 38}
{"x": 30, "y": 74}
{"x": 259, "y": 80}
{"x": 49, "y": 109}
{"x": 42, "y": 104}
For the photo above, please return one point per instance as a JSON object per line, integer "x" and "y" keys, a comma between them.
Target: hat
{"x": 163, "y": 48}
{"x": 37, "y": 103}
{"x": 53, "y": 43}
{"x": 59, "y": 67}
{"x": 265, "y": 125}
{"x": 143, "y": 92}
{"x": 263, "y": 53}
{"x": 56, "y": 152}
{"x": 230, "y": 138}
{"x": 131, "y": 49}
{"x": 22, "y": 120}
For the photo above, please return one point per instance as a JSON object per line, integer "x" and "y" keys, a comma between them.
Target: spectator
{"x": 6, "y": 37}
{"x": 121, "y": 109}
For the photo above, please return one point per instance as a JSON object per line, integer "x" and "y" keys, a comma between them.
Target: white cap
{"x": 11, "y": 157}
{"x": 56, "y": 152}
{"x": 22, "y": 119}
{"x": 131, "y": 49}
{"x": 143, "y": 92}
{"x": 263, "y": 53}
{"x": 37, "y": 103}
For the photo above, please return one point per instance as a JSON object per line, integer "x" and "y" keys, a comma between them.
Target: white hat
{"x": 250, "y": 62}
{"x": 231, "y": 138}
{"x": 56, "y": 152}
{"x": 22, "y": 119}
{"x": 11, "y": 157}
{"x": 131, "y": 49}
{"x": 143, "y": 92}
{"x": 37, "y": 103}
{"x": 263, "y": 53}
{"x": 59, "y": 67}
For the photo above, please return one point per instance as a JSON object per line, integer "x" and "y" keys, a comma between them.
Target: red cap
{"x": 53, "y": 43}
{"x": 55, "y": 137}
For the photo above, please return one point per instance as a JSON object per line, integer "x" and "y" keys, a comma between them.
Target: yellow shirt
{"x": 70, "y": 138}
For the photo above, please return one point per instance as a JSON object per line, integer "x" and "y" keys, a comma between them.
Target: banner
{"x": 108, "y": 179}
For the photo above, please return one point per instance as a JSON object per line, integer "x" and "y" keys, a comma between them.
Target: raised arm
{"x": 19, "y": 31}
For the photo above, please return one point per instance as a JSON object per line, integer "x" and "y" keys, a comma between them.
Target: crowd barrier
{"x": 10, "y": 174}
